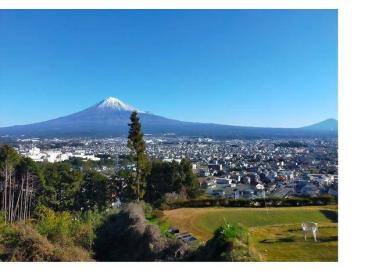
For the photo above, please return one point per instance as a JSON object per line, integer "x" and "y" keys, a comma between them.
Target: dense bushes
{"x": 54, "y": 226}
{"x": 52, "y": 236}
{"x": 22, "y": 242}
{"x": 128, "y": 236}
{"x": 67, "y": 228}
{"x": 273, "y": 202}
{"x": 229, "y": 243}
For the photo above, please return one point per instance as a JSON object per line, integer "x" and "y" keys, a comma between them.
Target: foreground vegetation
{"x": 137, "y": 232}
{"x": 50, "y": 236}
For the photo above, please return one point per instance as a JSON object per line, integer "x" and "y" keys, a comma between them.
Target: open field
{"x": 203, "y": 221}
{"x": 286, "y": 243}
{"x": 275, "y": 233}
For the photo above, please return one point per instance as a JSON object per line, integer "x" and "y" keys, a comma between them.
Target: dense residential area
{"x": 225, "y": 168}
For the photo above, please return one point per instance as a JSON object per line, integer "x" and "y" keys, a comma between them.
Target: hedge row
{"x": 272, "y": 202}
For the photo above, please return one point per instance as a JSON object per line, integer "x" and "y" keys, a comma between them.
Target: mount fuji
{"x": 110, "y": 118}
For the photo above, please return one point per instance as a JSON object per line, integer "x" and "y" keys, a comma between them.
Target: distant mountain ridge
{"x": 330, "y": 124}
{"x": 110, "y": 117}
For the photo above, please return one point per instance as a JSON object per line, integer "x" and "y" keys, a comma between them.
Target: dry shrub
{"x": 128, "y": 236}
{"x": 29, "y": 245}
{"x": 24, "y": 244}
{"x": 72, "y": 254}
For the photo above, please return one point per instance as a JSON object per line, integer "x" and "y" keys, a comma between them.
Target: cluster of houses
{"x": 54, "y": 155}
{"x": 226, "y": 168}
{"x": 251, "y": 186}
{"x": 268, "y": 170}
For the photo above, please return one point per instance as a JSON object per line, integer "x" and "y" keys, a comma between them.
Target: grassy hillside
{"x": 275, "y": 233}
{"x": 202, "y": 222}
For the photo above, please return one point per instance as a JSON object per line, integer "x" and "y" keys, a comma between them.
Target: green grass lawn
{"x": 202, "y": 222}
{"x": 286, "y": 243}
{"x": 275, "y": 233}
{"x": 261, "y": 217}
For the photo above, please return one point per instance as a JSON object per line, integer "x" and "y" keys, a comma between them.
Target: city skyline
{"x": 248, "y": 67}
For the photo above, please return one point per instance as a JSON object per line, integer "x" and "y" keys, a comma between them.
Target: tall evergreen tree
{"x": 137, "y": 146}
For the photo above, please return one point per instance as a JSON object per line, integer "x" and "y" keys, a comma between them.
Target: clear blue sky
{"x": 274, "y": 68}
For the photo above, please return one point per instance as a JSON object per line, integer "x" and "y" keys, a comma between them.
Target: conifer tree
{"x": 137, "y": 146}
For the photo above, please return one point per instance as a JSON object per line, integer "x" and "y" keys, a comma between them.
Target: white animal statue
{"x": 310, "y": 227}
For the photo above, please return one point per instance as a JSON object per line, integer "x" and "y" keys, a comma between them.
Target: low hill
{"x": 326, "y": 125}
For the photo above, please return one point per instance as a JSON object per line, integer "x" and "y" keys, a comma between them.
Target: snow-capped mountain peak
{"x": 116, "y": 104}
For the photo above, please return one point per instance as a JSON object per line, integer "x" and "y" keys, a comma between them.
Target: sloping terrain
{"x": 275, "y": 233}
